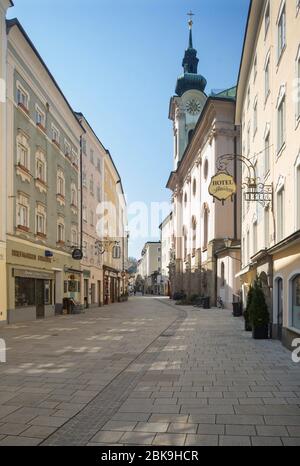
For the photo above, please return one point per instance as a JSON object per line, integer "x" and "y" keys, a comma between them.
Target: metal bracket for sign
{"x": 103, "y": 246}
{"x": 255, "y": 191}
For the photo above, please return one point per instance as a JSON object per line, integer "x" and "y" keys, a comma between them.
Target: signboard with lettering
{"x": 222, "y": 186}
{"x": 77, "y": 254}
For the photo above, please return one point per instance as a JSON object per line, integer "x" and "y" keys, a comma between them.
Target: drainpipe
{"x": 235, "y": 180}
{"x": 81, "y": 197}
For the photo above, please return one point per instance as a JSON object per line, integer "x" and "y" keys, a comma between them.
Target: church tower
{"x": 187, "y": 105}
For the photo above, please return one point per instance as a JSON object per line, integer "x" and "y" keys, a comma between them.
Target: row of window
{"x": 93, "y": 159}
{"x": 91, "y": 186}
{"x": 40, "y": 120}
{"x": 281, "y": 101}
{"x": 280, "y": 220}
{"x": 23, "y": 161}
{"x": 23, "y": 220}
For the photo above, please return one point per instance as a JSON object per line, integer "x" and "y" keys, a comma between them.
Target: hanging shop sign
{"x": 77, "y": 254}
{"x": 222, "y": 186}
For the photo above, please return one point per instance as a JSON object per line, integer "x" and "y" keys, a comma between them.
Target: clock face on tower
{"x": 193, "y": 106}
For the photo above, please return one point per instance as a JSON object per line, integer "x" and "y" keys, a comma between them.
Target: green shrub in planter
{"x": 259, "y": 314}
{"x": 247, "y": 317}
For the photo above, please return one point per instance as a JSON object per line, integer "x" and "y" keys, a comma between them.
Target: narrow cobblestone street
{"x": 146, "y": 372}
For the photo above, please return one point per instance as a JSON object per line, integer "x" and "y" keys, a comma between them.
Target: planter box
{"x": 237, "y": 309}
{"x": 260, "y": 333}
{"x": 248, "y": 327}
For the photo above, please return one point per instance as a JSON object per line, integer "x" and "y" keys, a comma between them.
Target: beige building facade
{"x": 93, "y": 156}
{"x": 4, "y": 5}
{"x": 268, "y": 111}
{"x": 149, "y": 267}
{"x": 167, "y": 247}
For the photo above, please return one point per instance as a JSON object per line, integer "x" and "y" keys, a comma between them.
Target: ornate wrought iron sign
{"x": 222, "y": 184}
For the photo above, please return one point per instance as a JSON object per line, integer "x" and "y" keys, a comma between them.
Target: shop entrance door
{"x": 280, "y": 307}
{"x": 40, "y": 299}
{"x": 99, "y": 293}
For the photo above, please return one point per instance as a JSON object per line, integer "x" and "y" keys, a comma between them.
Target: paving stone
{"x": 201, "y": 440}
{"x": 12, "y": 441}
{"x": 50, "y": 421}
{"x": 175, "y": 418}
{"x": 291, "y": 441}
{"x": 137, "y": 438}
{"x": 234, "y": 440}
{"x": 266, "y": 441}
{"x": 282, "y": 420}
{"x": 181, "y": 428}
{"x": 125, "y": 426}
{"x": 210, "y": 429}
{"x": 270, "y": 431}
{"x": 169, "y": 439}
{"x": 143, "y": 417}
{"x": 294, "y": 431}
{"x": 107, "y": 436}
{"x": 238, "y": 430}
{"x": 152, "y": 427}
{"x": 12, "y": 429}
{"x": 41, "y": 432}
{"x": 238, "y": 419}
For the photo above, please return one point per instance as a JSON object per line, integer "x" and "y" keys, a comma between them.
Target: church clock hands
{"x": 193, "y": 107}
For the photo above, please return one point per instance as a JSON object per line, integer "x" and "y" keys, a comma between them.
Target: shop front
{"x": 111, "y": 289}
{"x": 38, "y": 281}
{"x": 286, "y": 290}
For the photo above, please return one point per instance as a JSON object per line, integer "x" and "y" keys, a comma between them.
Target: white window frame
{"x": 74, "y": 195}
{"x": 267, "y": 24}
{"x": 53, "y": 131}
{"x": 280, "y": 191}
{"x": 255, "y": 116}
{"x": 281, "y": 138}
{"x": 40, "y": 213}
{"x": 40, "y": 112}
{"x": 281, "y": 34}
{"x": 23, "y": 145}
{"x": 21, "y": 90}
{"x": 61, "y": 183}
{"x": 60, "y": 229}
{"x": 267, "y": 149}
{"x": 40, "y": 159}
{"x": 267, "y": 71}
{"x": 23, "y": 210}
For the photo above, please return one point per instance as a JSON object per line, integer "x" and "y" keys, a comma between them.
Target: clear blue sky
{"x": 117, "y": 61}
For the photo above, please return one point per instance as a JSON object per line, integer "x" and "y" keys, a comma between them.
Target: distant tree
{"x": 132, "y": 265}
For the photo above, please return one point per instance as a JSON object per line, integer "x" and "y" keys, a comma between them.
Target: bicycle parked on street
{"x": 220, "y": 304}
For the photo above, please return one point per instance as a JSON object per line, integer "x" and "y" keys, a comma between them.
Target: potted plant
{"x": 259, "y": 313}
{"x": 248, "y": 326}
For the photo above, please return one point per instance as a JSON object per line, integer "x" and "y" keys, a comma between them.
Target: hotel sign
{"x": 222, "y": 186}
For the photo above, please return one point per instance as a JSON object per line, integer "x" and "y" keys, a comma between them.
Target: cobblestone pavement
{"x": 146, "y": 372}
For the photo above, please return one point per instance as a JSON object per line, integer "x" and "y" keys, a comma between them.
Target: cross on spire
{"x": 190, "y": 14}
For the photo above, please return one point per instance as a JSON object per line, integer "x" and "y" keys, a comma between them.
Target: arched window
{"x": 194, "y": 233}
{"x": 206, "y": 169}
{"x": 296, "y": 302}
{"x": 185, "y": 245}
{"x": 205, "y": 227}
{"x": 194, "y": 187}
{"x": 222, "y": 274}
